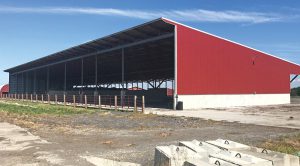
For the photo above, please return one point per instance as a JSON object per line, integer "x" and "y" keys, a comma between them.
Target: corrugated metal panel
{"x": 20, "y": 87}
{"x": 154, "y": 28}
{"x": 4, "y": 89}
{"x": 12, "y": 84}
{"x": 210, "y": 65}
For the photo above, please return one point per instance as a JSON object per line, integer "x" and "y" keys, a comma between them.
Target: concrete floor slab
{"x": 287, "y": 116}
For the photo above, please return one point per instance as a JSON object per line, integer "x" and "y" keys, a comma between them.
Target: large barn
{"x": 165, "y": 61}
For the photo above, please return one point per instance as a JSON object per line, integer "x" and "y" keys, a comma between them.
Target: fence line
{"x": 117, "y": 102}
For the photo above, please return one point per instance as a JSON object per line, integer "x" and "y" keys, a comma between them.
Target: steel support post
{"x": 65, "y": 79}
{"x": 34, "y": 82}
{"x": 294, "y": 78}
{"x": 48, "y": 72}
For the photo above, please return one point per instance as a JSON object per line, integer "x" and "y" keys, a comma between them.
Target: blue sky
{"x": 33, "y": 28}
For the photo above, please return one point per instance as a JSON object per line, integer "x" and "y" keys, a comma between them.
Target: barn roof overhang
{"x": 151, "y": 31}
{"x": 157, "y": 29}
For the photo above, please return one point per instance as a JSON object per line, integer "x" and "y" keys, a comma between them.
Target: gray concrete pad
{"x": 287, "y": 116}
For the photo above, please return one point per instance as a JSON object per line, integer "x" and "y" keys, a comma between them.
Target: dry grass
{"x": 287, "y": 144}
{"x": 109, "y": 142}
{"x": 28, "y": 108}
{"x": 164, "y": 134}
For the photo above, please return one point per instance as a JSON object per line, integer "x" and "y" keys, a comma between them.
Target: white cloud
{"x": 197, "y": 15}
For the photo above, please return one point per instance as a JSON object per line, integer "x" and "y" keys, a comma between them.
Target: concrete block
{"x": 228, "y": 145}
{"x": 199, "y": 163}
{"x": 177, "y": 156}
{"x": 188, "y": 164}
{"x": 278, "y": 159}
{"x": 219, "y": 162}
{"x": 213, "y": 155}
{"x": 241, "y": 158}
{"x": 195, "y": 146}
{"x": 200, "y": 147}
{"x": 220, "y": 152}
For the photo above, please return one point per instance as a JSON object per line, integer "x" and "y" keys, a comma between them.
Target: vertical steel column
{"x": 81, "y": 73}
{"x": 9, "y": 82}
{"x": 65, "y": 79}
{"x": 48, "y": 72}
{"x": 34, "y": 82}
{"x": 23, "y": 83}
{"x": 96, "y": 80}
{"x": 26, "y": 82}
{"x": 122, "y": 68}
{"x": 122, "y": 91}
{"x": 96, "y": 73}
{"x": 81, "y": 91}
{"x": 17, "y": 87}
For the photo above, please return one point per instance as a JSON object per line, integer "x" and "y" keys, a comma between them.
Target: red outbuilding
{"x": 4, "y": 89}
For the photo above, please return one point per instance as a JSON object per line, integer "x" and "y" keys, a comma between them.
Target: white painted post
{"x": 85, "y": 101}
{"x": 143, "y": 104}
{"x": 55, "y": 99}
{"x": 74, "y": 101}
{"x": 64, "y": 100}
{"x": 135, "y": 108}
{"x": 99, "y": 101}
{"x": 116, "y": 103}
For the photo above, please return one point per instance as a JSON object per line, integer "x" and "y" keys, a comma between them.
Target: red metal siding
{"x": 4, "y": 89}
{"x": 210, "y": 65}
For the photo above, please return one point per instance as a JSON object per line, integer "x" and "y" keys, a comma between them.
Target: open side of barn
{"x": 165, "y": 61}
{"x": 135, "y": 62}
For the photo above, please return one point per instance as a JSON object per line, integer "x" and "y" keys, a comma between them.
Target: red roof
{"x": 4, "y": 89}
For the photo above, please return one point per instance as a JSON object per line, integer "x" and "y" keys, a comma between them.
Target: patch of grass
{"x": 29, "y": 108}
{"x": 287, "y": 144}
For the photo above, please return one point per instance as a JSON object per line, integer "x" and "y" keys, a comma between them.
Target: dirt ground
{"x": 117, "y": 135}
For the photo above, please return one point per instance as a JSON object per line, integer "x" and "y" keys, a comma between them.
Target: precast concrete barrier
{"x": 220, "y": 152}
{"x": 276, "y": 157}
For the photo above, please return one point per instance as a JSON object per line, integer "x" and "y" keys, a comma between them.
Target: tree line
{"x": 295, "y": 91}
